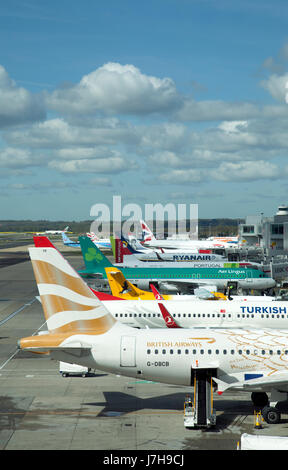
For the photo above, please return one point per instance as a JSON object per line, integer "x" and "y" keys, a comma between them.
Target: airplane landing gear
{"x": 259, "y": 399}
{"x": 271, "y": 415}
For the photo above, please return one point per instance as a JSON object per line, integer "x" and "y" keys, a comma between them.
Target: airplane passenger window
{"x": 271, "y": 352}
{"x": 194, "y": 351}
{"x": 148, "y": 351}
{"x": 247, "y": 351}
{"x": 224, "y": 351}
{"x": 171, "y": 351}
{"x": 217, "y": 351}
{"x": 209, "y": 351}
{"x": 240, "y": 351}
{"x": 179, "y": 351}
{"x": 232, "y": 351}
{"x": 156, "y": 351}
{"x": 278, "y": 352}
{"x": 263, "y": 352}
{"x": 201, "y": 351}
{"x": 186, "y": 351}
{"x": 163, "y": 351}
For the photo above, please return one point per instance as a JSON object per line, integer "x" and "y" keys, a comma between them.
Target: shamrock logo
{"x": 92, "y": 255}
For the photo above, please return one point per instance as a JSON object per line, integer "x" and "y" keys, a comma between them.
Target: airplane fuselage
{"x": 170, "y": 356}
{"x": 202, "y": 313}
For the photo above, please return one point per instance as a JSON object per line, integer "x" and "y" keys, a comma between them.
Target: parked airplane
{"x": 175, "y": 278}
{"x": 121, "y": 288}
{"x": 148, "y": 254}
{"x": 99, "y": 242}
{"x": 103, "y": 243}
{"x": 150, "y": 241}
{"x": 83, "y": 332}
{"x": 68, "y": 242}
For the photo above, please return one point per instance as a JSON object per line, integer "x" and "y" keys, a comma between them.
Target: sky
{"x": 156, "y": 102}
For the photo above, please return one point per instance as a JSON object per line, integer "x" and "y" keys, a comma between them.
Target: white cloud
{"x": 277, "y": 85}
{"x": 60, "y": 133}
{"x": 245, "y": 171}
{"x": 116, "y": 88}
{"x": 107, "y": 165}
{"x": 17, "y": 105}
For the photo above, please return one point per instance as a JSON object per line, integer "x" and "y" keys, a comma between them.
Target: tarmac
{"x": 41, "y": 410}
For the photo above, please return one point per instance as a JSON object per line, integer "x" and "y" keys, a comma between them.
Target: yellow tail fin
{"x": 122, "y": 288}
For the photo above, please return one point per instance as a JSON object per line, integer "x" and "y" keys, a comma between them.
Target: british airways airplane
{"x": 82, "y": 331}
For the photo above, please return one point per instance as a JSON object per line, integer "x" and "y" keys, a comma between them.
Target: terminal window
{"x": 277, "y": 229}
{"x": 248, "y": 229}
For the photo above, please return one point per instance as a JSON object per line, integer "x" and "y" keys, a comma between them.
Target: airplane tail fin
{"x": 169, "y": 320}
{"x": 66, "y": 229}
{"x": 147, "y": 234}
{"x": 120, "y": 286}
{"x": 92, "y": 236}
{"x": 40, "y": 241}
{"x": 65, "y": 238}
{"x": 69, "y": 305}
{"x": 93, "y": 257}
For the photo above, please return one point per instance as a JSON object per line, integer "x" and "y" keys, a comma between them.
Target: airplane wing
{"x": 262, "y": 383}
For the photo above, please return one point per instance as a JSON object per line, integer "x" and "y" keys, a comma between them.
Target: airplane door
{"x": 249, "y": 275}
{"x": 128, "y": 351}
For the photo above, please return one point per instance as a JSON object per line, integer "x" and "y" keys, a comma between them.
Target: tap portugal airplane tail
{"x": 70, "y": 307}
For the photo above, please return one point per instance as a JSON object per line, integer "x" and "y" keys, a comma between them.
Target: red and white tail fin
{"x": 146, "y": 232}
{"x": 157, "y": 294}
{"x": 169, "y": 320}
{"x": 43, "y": 242}
{"x": 92, "y": 236}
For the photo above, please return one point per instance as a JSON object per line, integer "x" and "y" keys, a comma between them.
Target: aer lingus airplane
{"x": 82, "y": 331}
{"x": 173, "y": 277}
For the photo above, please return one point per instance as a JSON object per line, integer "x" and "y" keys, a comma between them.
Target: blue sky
{"x": 163, "y": 101}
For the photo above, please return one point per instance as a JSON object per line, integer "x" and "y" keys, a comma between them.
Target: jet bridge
{"x": 199, "y": 412}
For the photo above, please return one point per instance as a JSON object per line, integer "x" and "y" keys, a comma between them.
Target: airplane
{"x": 148, "y": 254}
{"x": 175, "y": 278}
{"x": 53, "y": 232}
{"x": 122, "y": 288}
{"x": 150, "y": 241}
{"x": 68, "y": 242}
{"x": 104, "y": 243}
{"x": 82, "y": 331}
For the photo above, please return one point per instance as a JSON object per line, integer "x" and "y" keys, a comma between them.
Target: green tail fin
{"x": 93, "y": 257}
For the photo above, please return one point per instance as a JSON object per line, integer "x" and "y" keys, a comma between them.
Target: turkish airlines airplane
{"x": 82, "y": 331}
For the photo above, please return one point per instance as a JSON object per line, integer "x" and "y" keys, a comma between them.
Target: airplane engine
{"x": 167, "y": 287}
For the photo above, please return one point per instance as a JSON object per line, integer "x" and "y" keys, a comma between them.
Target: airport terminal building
{"x": 269, "y": 233}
